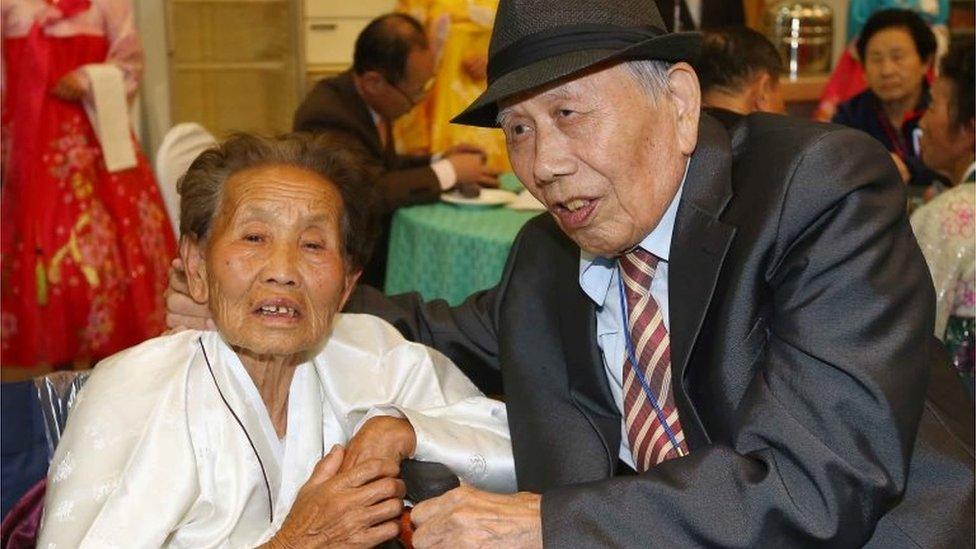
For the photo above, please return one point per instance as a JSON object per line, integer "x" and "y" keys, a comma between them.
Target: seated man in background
{"x": 205, "y": 439}
{"x": 393, "y": 69}
{"x": 945, "y": 227}
{"x": 739, "y": 71}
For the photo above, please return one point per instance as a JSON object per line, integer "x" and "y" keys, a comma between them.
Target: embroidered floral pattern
{"x": 959, "y": 219}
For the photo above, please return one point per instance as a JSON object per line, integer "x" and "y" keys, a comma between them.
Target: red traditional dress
{"x": 84, "y": 251}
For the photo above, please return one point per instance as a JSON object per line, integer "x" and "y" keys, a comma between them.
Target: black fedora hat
{"x": 537, "y": 42}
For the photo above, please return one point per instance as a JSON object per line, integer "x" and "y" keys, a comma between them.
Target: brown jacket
{"x": 335, "y": 107}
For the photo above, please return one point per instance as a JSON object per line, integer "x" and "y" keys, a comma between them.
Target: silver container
{"x": 803, "y": 32}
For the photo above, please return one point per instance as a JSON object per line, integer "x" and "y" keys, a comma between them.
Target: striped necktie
{"x": 649, "y": 440}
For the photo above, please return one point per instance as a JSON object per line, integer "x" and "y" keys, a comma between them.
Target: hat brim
{"x": 483, "y": 111}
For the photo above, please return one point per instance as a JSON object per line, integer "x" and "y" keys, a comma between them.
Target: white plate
{"x": 488, "y": 197}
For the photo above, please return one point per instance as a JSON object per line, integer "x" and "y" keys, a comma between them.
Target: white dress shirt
{"x": 599, "y": 280}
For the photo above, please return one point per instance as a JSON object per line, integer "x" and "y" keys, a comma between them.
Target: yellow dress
{"x": 460, "y": 29}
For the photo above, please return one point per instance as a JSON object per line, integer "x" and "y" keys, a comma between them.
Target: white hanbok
{"x": 170, "y": 443}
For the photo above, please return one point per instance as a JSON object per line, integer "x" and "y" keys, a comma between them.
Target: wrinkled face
{"x": 604, "y": 158}
{"x": 273, "y": 268}
{"x": 892, "y": 66}
{"x": 944, "y": 143}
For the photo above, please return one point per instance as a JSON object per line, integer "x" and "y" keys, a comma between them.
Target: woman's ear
{"x": 195, "y": 266}
{"x": 350, "y": 279}
{"x": 686, "y": 93}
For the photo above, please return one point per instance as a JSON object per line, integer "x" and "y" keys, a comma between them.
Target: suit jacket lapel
{"x": 364, "y": 120}
{"x": 588, "y": 384}
{"x": 698, "y": 249}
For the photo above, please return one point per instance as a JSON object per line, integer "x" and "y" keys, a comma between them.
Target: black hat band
{"x": 565, "y": 39}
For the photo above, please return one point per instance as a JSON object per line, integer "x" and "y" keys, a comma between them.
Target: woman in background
{"x": 459, "y": 31}
{"x": 897, "y": 49}
{"x": 946, "y": 227}
{"x": 85, "y": 251}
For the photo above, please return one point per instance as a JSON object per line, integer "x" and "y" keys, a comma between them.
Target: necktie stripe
{"x": 649, "y": 343}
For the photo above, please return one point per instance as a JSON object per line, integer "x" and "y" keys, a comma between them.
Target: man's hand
{"x": 181, "y": 311}
{"x": 467, "y": 517}
{"x": 470, "y": 167}
{"x": 70, "y": 87}
{"x": 357, "y": 508}
{"x": 381, "y": 437}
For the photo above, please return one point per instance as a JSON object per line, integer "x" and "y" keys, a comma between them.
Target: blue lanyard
{"x": 637, "y": 369}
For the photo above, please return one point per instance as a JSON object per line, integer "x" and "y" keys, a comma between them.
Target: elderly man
{"x": 716, "y": 336}
{"x": 393, "y": 69}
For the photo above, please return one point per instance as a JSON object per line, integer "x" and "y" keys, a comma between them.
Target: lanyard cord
{"x": 640, "y": 374}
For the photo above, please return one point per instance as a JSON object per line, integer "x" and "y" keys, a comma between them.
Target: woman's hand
{"x": 70, "y": 88}
{"x": 381, "y": 437}
{"x": 356, "y": 508}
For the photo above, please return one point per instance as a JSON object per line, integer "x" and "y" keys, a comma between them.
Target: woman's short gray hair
{"x": 202, "y": 186}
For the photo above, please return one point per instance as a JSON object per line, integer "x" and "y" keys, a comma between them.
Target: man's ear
{"x": 195, "y": 264}
{"x": 769, "y": 96}
{"x": 686, "y": 94}
{"x": 371, "y": 82}
{"x": 350, "y": 280}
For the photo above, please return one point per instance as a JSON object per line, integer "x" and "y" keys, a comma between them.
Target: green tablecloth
{"x": 449, "y": 251}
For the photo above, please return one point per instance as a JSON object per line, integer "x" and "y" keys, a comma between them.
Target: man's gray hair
{"x": 651, "y": 74}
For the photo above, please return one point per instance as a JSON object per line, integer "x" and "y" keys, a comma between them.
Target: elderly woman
{"x": 897, "y": 49}
{"x": 202, "y": 439}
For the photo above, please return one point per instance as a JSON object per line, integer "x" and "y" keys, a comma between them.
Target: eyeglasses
{"x": 418, "y": 96}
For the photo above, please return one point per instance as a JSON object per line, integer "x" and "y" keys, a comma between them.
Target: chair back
{"x": 56, "y": 394}
{"x": 181, "y": 145}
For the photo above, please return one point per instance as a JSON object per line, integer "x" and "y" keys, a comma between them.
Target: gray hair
{"x": 201, "y": 188}
{"x": 651, "y": 74}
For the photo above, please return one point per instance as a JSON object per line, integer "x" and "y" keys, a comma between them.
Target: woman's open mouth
{"x": 278, "y": 309}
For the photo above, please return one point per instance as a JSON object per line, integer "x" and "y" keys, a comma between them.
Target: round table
{"x": 450, "y": 251}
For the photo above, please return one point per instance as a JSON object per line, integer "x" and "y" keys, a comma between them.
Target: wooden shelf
{"x": 804, "y": 88}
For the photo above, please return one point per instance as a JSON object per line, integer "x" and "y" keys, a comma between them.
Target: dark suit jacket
{"x": 715, "y": 13}
{"x": 801, "y": 342}
{"x": 334, "y": 107}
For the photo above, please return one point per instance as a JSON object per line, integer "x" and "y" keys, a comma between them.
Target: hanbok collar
{"x": 287, "y": 464}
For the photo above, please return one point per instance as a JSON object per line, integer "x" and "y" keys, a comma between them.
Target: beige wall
{"x": 154, "y": 104}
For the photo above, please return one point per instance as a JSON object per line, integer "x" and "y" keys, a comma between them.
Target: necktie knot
{"x": 638, "y": 266}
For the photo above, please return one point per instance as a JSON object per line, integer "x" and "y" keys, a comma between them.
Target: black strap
{"x": 565, "y": 39}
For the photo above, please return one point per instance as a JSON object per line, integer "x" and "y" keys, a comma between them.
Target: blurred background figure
{"x": 85, "y": 249}
{"x": 898, "y": 49}
{"x": 392, "y": 72}
{"x": 946, "y": 227}
{"x": 700, "y": 14}
{"x": 86, "y": 246}
{"x": 739, "y": 71}
{"x": 847, "y": 78}
{"x": 459, "y": 32}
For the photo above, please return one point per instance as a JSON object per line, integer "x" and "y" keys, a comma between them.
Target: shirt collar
{"x": 374, "y": 115}
{"x": 596, "y": 272}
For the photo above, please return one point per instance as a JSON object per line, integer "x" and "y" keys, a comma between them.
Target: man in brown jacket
{"x": 393, "y": 68}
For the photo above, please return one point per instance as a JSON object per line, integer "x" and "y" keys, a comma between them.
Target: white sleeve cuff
{"x": 445, "y": 173}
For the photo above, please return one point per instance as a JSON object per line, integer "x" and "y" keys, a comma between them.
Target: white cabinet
{"x": 235, "y": 65}
{"x": 244, "y": 65}
{"x": 330, "y": 28}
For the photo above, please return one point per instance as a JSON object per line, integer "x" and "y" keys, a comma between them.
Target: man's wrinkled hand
{"x": 356, "y": 508}
{"x": 381, "y": 437}
{"x": 468, "y": 517}
{"x": 182, "y": 311}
